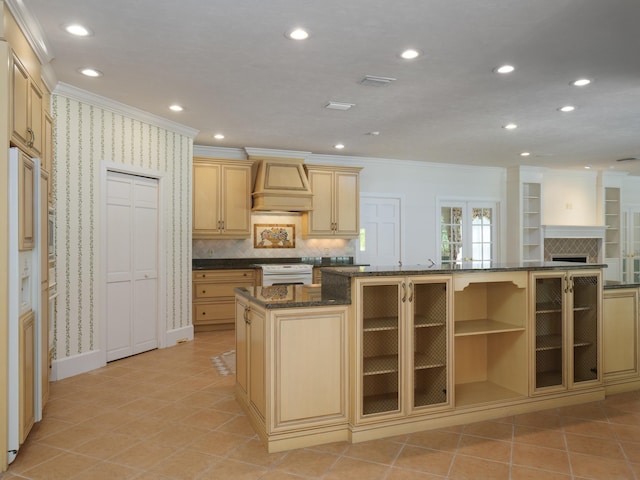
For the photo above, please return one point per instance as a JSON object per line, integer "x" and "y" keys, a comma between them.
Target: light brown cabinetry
{"x": 221, "y": 199}
{"x": 26, "y": 110}
{"x": 26, "y": 374}
{"x": 26, "y": 205}
{"x": 214, "y": 298}
{"x": 292, "y": 373}
{"x": 566, "y": 320}
{"x": 336, "y": 195}
{"x": 620, "y": 339}
{"x": 403, "y": 346}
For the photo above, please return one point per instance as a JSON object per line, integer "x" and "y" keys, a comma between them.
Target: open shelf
{"x": 380, "y": 403}
{"x": 552, "y": 378}
{"x": 420, "y": 321}
{"x": 468, "y": 394}
{"x": 425, "y": 361}
{"x": 482, "y": 327}
{"x": 380, "y": 365}
{"x": 379, "y": 324}
{"x": 548, "y": 342}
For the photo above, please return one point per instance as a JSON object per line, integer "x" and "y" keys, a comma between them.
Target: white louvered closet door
{"x": 132, "y": 265}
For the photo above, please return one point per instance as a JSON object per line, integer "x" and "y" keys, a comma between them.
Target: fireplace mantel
{"x": 573, "y": 231}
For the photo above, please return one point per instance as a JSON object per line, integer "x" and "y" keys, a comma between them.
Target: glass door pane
{"x": 380, "y": 358}
{"x": 549, "y": 332}
{"x": 585, "y": 328}
{"x": 430, "y": 341}
{"x": 451, "y": 228}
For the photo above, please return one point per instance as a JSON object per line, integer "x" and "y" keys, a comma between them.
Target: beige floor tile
{"x": 593, "y": 428}
{"x": 61, "y": 467}
{"x": 378, "y": 451}
{"x": 106, "y": 445}
{"x": 353, "y": 468}
{"x": 71, "y": 437}
{"x": 494, "y": 430}
{"x": 218, "y": 443}
{"x": 632, "y": 451}
{"x": 307, "y": 463}
{"x": 253, "y": 451}
{"x": 589, "y": 411}
{"x": 32, "y": 454}
{"x": 424, "y": 460}
{"x": 525, "y": 473}
{"x": 184, "y": 464}
{"x": 401, "y": 474}
{"x": 538, "y": 420}
{"x": 539, "y": 436}
{"x": 541, "y": 458}
{"x": 601, "y": 447}
{"x": 470, "y": 468}
{"x": 626, "y": 433}
{"x": 485, "y": 448}
{"x": 143, "y": 455}
{"x": 233, "y": 470}
{"x": 238, "y": 424}
{"x": 599, "y": 468}
{"x": 436, "y": 440}
{"x": 107, "y": 471}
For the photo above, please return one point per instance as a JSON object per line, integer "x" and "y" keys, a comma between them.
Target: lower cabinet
{"x": 26, "y": 374}
{"x": 292, "y": 368}
{"x": 620, "y": 340}
{"x": 567, "y": 324}
{"x": 213, "y": 297}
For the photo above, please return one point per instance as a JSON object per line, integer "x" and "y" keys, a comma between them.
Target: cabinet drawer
{"x": 225, "y": 275}
{"x": 208, "y": 312}
{"x": 206, "y": 290}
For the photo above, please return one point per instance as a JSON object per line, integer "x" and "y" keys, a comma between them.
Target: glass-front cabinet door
{"x": 567, "y": 325}
{"x": 429, "y": 303}
{"x": 379, "y": 335}
{"x": 549, "y": 299}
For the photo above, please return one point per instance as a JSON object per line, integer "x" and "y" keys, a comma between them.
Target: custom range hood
{"x": 280, "y": 182}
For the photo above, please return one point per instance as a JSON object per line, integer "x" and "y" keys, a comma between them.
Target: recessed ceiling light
{"x": 410, "y": 54}
{"x": 218, "y": 136}
{"x": 587, "y": 167}
{"x": 298, "y": 34}
{"x": 90, "y": 72}
{"x": 567, "y": 108}
{"x": 77, "y": 30}
{"x": 374, "y": 134}
{"x": 339, "y": 106}
{"x": 338, "y": 146}
{"x": 581, "y": 82}
{"x": 510, "y": 126}
{"x": 504, "y": 69}
{"x": 176, "y": 108}
{"x": 525, "y": 154}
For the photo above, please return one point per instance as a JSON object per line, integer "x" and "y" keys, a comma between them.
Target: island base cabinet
{"x": 292, "y": 369}
{"x": 620, "y": 340}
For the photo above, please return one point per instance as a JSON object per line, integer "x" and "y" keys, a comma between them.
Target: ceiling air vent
{"x": 373, "y": 81}
{"x": 339, "y": 106}
{"x": 627, "y": 159}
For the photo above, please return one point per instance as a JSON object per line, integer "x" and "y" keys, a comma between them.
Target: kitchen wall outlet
{"x": 210, "y": 252}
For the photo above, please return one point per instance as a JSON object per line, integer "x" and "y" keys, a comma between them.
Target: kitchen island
{"x": 376, "y": 352}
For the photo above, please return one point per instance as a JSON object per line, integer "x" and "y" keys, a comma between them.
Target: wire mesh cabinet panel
{"x": 567, "y": 317}
{"x": 429, "y": 304}
{"x": 380, "y": 333}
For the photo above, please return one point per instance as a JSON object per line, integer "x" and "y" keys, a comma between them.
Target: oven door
{"x": 284, "y": 279}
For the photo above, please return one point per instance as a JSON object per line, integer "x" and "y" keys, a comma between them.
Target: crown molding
{"x": 219, "y": 152}
{"x": 31, "y": 29}
{"x": 270, "y": 152}
{"x": 74, "y": 93}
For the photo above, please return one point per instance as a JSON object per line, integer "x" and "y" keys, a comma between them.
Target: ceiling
{"x": 229, "y": 63}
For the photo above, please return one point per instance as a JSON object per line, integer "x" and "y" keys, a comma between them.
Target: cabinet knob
{"x": 204, "y": 291}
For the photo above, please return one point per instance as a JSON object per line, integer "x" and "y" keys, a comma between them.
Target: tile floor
{"x": 169, "y": 414}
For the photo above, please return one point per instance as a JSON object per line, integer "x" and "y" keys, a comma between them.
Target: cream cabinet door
{"x": 620, "y": 334}
{"x": 236, "y": 201}
{"x": 206, "y": 206}
{"x": 320, "y": 219}
{"x": 346, "y": 204}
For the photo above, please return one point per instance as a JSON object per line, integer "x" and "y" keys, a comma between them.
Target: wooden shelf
{"x": 482, "y": 327}
{"x": 468, "y": 394}
{"x": 548, "y": 342}
{"x": 548, "y": 379}
{"x": 420, "y": 321}
{"x": 548, "y": 307}
{"x": 423, "y": 361}
{"x": 379, "y": 324}
{"x": 380, "y": 365}
{"x": 372, "y": 404}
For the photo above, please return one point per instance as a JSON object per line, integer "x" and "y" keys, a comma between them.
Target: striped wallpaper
{"x": 85, "y": 135}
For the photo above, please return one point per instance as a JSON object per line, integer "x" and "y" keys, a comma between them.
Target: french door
{"x": 631, "y": 244}
{"x": 468, "y": 232}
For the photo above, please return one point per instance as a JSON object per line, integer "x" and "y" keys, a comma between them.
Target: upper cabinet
{"x": 26, "y": 110}
{"x": 221, "y": 198}
{"x": 336, "y": 194}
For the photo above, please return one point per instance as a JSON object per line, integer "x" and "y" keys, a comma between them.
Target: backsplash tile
{"x": 310, "y": 247}
{"x": 572, "y": 246}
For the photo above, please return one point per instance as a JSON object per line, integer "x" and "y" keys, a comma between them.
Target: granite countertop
{"x": 612, "y": 285}
{"x": 466, "y": 267}
{"x": 290, "y": 296}
{"x": 239, "y": 263}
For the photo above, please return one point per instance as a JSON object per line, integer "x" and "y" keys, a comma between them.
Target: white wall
{"x": 569, "y": 198}
{"x": 87, "y": 134}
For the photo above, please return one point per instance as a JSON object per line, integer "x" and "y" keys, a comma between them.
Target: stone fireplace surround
{"x": 590, "y": 247}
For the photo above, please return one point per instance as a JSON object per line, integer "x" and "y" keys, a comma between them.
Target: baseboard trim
{"x": 179, "y": 335}
{"x": 76, "y": 364}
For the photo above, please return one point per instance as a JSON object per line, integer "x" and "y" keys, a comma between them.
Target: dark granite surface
{"x": 237, "y": 263}
{"x": 289, "y": 296}
{"x": 612, "y": 285}
{"x": 467, "y": 267}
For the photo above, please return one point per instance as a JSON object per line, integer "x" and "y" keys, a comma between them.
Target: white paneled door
{"x": 380, "y": 231}
{"x": 132, "y": 265}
